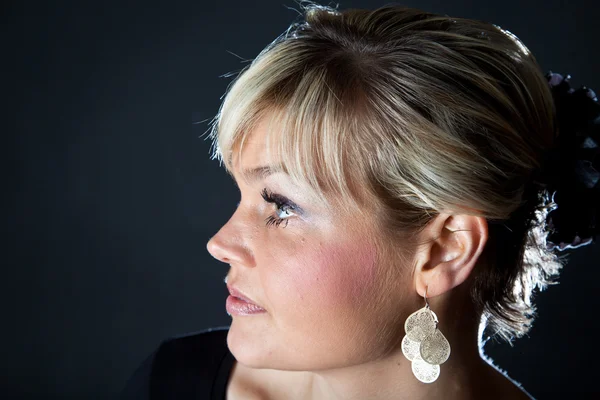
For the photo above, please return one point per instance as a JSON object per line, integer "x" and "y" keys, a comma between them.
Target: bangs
{"x": 310, "y": 108}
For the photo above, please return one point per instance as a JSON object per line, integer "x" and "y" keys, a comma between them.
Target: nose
{"x": 228, "y": 246}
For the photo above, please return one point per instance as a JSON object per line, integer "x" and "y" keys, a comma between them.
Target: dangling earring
{"x": 424, "y": 345}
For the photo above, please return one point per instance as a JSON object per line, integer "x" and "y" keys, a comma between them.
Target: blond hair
{"x": 408, "y": 113}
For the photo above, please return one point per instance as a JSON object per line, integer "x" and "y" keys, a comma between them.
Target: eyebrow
{"x": 258, "y": 173}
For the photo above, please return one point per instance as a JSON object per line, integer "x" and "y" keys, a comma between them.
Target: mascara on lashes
{"x": 280, "y": 201}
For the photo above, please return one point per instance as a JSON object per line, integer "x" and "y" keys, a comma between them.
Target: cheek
{"x": 332, "y": 276}
{"x": 348, "y": 272}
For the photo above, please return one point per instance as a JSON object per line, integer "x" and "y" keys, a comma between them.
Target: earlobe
{"x": 451, "y": 254}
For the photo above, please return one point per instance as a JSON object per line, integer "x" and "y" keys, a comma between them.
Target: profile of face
{"x": 331, "y": 298}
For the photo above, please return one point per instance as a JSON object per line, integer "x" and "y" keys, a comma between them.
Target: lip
{"x": 236, "y": 293}
{"x": 240, "y": 307}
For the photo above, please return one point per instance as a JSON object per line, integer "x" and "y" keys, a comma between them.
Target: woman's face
{"x": 331, "y": 299}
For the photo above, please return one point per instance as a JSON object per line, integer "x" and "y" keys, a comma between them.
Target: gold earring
{"x": 424, "y": 345}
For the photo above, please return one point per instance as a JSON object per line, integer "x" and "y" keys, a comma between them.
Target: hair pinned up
{"x": 403, "y": 113}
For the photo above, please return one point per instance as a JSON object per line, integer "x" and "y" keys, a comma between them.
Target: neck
{"x": 390, "y": 375}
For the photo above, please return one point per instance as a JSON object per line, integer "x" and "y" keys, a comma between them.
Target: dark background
{"x": 111, "y": 195}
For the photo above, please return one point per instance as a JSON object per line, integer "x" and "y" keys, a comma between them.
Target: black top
{"x": 190, "y": 366}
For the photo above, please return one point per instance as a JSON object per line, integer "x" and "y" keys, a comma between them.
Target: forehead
{"x": 260, "y": 156}
{"x": 254, "y": 146}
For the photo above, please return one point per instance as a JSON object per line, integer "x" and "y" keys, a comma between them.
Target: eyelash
{"x": 282, "y": 205}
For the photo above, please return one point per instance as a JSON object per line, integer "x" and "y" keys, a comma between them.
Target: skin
{"x": 336, "y": 304}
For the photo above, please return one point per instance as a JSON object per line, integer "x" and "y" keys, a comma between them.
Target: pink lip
{"x": 238, "y": 306}
{"x": 236, "y": 293}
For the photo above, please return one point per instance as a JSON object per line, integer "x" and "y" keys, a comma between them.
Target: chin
{"x": 249, "y": 346}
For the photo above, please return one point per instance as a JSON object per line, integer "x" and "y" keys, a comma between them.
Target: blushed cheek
{"x": 355, "y": 273}
{"x": 338, "y": 276}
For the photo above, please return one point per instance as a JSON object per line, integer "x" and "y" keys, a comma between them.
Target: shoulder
{"x": 202, "y": 349}
{"x": 183, "y": 366}
{"x": 501, "y": 386}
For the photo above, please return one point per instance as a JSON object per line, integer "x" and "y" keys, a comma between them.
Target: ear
{"x": 452, "y": 246}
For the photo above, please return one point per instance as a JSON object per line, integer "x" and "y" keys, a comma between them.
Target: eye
{"x": 284, "y": 210}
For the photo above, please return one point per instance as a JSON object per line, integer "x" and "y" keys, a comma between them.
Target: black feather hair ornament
{"x": 571, "y": 169}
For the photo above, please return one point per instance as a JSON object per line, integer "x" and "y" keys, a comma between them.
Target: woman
{"x": 388, "y": 214}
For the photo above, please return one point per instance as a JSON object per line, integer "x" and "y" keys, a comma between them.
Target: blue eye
{"x": 284, "y": 206}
